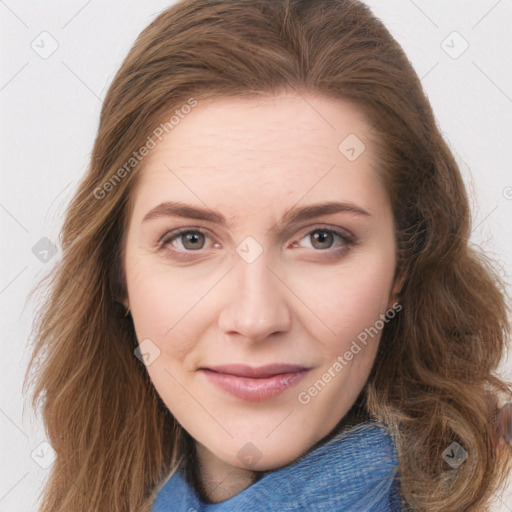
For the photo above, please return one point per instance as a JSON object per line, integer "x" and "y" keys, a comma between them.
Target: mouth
{"x": 255, "y": 384}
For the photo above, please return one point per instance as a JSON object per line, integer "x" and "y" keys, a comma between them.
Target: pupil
{"x": 322, "y": 236}
{"x": 193, "y": 239}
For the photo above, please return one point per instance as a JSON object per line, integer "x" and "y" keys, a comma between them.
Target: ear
{"x": 124, "y": 304}
{"x": 397, "y": 288}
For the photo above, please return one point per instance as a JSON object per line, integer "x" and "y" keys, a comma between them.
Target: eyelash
{"x": 170, "y": 236}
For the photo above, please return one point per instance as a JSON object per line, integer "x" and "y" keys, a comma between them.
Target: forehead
{"x": 254, "y": 153}
{"x": 277, "y": 125}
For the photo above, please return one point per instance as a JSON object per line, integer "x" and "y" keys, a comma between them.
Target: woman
{"x": 331, "y": 343}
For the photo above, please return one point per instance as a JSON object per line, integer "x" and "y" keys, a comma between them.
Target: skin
{"x": 302, "y": 301}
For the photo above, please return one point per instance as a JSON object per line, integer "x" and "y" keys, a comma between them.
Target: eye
{"x": 325, "y": 238}
{"x": 187, "y": 240}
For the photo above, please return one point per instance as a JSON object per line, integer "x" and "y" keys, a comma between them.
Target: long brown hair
{"x": 433, "y": 382}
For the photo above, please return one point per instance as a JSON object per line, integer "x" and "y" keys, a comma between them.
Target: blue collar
{"x": 354, "y": 471}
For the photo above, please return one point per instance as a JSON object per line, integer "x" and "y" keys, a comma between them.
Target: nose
{"x": 257, "y": 305}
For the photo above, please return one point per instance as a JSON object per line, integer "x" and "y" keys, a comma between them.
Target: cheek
{"x": 148, "y": 301}
{"x": 168, "y": 307}
{"x": 159, "y": 299}
{"x": 351, "y": 298}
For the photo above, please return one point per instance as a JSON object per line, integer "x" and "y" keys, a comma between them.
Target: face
{"x": 259, "y": 250}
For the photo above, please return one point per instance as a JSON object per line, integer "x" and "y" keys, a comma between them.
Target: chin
{"x": 263, "y": 455}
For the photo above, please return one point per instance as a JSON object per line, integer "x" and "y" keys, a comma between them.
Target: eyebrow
{"x": 290, "y": 218}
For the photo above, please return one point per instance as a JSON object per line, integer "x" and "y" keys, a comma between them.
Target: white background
{"x": 49, "y": 115}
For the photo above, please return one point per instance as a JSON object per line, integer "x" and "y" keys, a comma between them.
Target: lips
{"x": 255, "y": 384}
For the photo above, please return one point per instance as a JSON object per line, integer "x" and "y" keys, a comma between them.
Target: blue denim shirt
{"x": 354, "y": 471}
